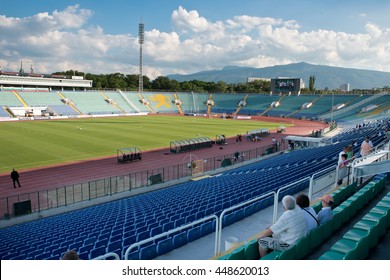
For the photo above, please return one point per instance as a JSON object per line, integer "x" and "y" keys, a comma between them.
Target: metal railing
{"x": 108, "y": 255}
{"x": 219, "y": 232}
{"x": 326, "y": 179}
{"x": 211, "y": 217}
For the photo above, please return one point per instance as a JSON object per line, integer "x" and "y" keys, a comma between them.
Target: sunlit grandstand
{"x": 219, "y": 193}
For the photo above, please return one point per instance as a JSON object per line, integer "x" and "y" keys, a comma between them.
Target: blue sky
{"x": 189, "y": 36}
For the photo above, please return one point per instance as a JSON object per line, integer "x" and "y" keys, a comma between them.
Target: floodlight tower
{"x": 141, "y": 42}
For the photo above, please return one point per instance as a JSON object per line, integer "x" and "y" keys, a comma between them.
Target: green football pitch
{"x": 28, "y": 144}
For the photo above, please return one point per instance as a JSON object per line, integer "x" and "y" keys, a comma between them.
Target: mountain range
{"x": 326, "y": 76}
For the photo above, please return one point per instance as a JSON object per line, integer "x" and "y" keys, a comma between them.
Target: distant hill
{"x": 326, "y": 76}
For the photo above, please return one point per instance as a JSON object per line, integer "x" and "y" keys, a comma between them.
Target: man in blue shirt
{"x": 326, "y": 213}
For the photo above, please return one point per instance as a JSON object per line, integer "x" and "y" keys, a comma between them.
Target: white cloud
{"x": 189, "y": 21}
{"x": 64, "y": 40}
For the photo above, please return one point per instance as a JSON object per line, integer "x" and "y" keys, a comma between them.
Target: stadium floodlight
{"x": 141, "y": 33}
{"x": 140, "y": 41}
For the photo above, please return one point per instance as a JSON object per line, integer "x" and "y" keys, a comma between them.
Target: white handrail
{"x": 105, "y": 256}
{"x": 377, "y": 155}
{"x": 315, "y": 174}
{"x": 235, "y": 207}
{"x": 175, "y": 230}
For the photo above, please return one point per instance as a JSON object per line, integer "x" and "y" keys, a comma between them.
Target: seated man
{"x": 326, "y": 213}
{"x": 290, "y": 227}
{"x": 309, "y": 213}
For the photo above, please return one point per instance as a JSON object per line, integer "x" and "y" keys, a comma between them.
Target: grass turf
{"x": 31, "y": 144}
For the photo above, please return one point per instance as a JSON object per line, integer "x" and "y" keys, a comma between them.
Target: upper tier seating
{"x": 91, "y": 103}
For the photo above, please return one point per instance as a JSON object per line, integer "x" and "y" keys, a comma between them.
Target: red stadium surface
{"x": 55, "y": 176}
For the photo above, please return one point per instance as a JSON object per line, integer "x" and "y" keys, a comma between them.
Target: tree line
{"x": 162, "y": 83}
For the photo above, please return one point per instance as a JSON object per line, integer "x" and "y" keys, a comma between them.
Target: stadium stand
{"x": 133, "y": 99}
{"x": 290, "y": 104}
{"x": 257, "y": 104}
{"x": 162, "y": 103}
{"x": 90, "y": 103}
{"x": 113, "y": 227}
{"x": 122, "y": 101}
{"x": 8, "y": 98}
{"x": 4, "y": 113}
{"x": 324, "y": 105}
{"x": 41, "y": 98}
{"x": 118, "y": 102}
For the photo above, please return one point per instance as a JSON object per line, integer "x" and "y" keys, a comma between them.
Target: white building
{"x": 345, "y": 87}
{"x": 252, "y": 79}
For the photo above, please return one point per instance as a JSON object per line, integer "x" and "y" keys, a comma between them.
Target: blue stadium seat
{"x": 207, "y": 228}
{"x": 142, "y": 235}
{"x": 179, "y": 222}
{"x": 90, "y": 240}
{"x": 86, "y": 248}
{"x": 59, "y": 252}
{"x": 114, "y": 246}
{"x": 165, "y": 246}
{"x": 168, "y": 226}
{"x": 96, "y": 252}
{"x": 180, "y": 239}
{"x": 148, "y": 253}
{"x": 193, "y": 234}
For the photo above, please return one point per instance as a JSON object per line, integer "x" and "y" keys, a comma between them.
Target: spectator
{"x": 236, "y": 156}
{"x": 344, "y": 151}
{"x": 343, "y": 169}
{"x": 15, "y": 177}
{"x": 366, "y": 147}
{"x": 326, "y": 213}
{"x": 71, "y": 255}
{"x": 350, "y": 153}
{"x": 308, "y": 212}
{"x": 290, "y": 227}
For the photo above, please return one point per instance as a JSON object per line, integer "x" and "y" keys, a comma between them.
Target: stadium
{"x": 176, "y": 175}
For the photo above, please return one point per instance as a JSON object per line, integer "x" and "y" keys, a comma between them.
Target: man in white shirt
{"x": 289, "y": 228}
{"x": 344, "y": 151}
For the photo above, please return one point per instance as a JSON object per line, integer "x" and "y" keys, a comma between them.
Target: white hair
{"x": 288, "y": 202}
